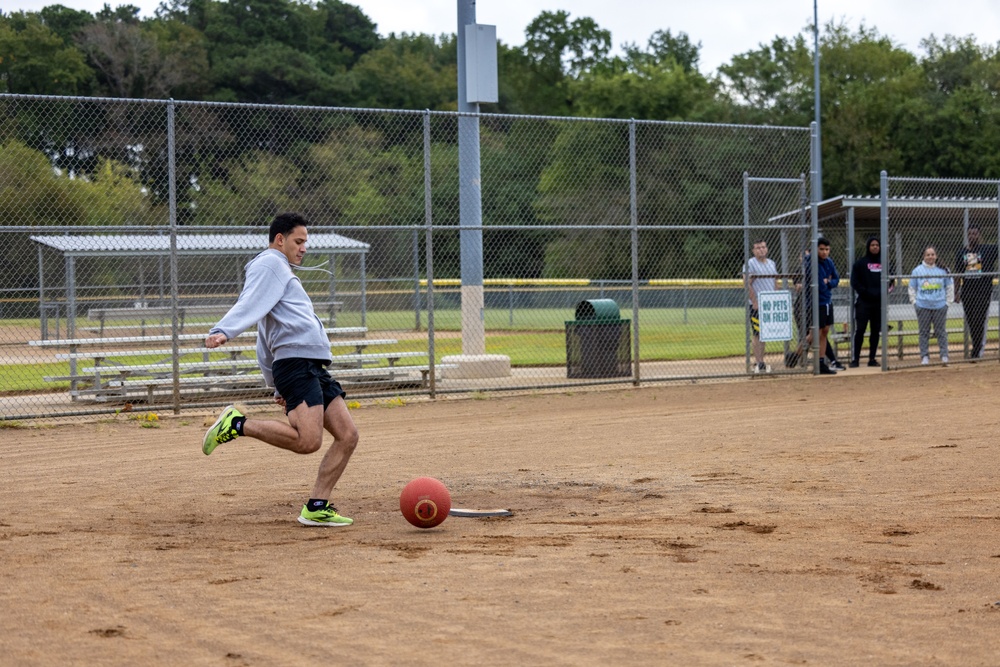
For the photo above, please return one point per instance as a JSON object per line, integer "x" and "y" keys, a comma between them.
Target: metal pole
{"x": 174, "y": 290}
{"x": 634, "y": 221}
{"x": 429, "y": 254}
{"x": 991, "y": 286}
{"x": 41, "y": 295}
{"x": 819, "y": 147}
{"x": 469, "y": 201}
{"x": 966, "y": 338}
{"x": 71, "y": 298}
{"x": 364, "y": 291}
{"x": 855, "y": 354}
{"x": 416, "y": 280}
{"x": 747, "y": 333}
{"x": 814, "y": 251}
{"x": 510, "y": 304}
{"x": 883, "y": 256}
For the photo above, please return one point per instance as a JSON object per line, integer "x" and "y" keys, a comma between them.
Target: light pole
{"x": 818, "y": 184}
{"x": 473, "y": 362}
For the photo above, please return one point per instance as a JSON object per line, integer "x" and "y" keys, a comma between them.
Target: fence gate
{"x": 776, "y": 228}
{"x": 939, "y": 240}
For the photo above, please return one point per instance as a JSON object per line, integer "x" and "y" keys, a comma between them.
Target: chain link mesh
{"x": 104, "y": 303}
{"x": 944, "y": 309}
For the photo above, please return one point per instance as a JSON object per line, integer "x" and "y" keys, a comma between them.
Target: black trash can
{"x": 598, "y": 341}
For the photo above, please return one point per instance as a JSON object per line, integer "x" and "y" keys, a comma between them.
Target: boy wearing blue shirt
{"x": 828, "y": 279}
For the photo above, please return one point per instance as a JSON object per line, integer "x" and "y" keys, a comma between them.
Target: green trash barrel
{"x": 598, "y": 341}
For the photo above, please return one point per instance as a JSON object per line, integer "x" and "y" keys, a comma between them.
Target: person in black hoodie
{"x": 866, "y": 281}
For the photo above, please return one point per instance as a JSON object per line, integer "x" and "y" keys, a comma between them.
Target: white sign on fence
{"x": 775, "y": 312}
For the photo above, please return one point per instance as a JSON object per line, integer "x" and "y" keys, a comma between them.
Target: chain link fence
{"x": 126, "y": 225}
{"x": 940, "y": 242}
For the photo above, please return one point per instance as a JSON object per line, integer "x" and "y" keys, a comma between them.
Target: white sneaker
{"x": 944, "y": 360}
{"x": 925, "y": 361}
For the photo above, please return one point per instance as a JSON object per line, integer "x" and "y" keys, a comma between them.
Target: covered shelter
{"x": 203, "y": 254}
{"x": 913, "y": 223}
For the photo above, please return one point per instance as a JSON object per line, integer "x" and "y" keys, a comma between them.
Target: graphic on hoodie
{"x": 866, "y": 274}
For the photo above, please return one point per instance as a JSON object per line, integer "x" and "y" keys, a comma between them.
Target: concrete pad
{"x": 475, "y": 366}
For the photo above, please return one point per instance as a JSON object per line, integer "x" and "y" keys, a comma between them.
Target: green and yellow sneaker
{"x": 222, "y": 430}
{"x": 326, "y": 516}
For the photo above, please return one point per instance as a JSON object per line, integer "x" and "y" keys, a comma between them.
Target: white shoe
{"x": 925, "y": 361}
{"x": 944, "y": 360}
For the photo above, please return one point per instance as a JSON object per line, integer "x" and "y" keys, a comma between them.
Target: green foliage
{"x": 772, "y": 83}
{"x": 644, "y": 90}
{"x": 280, "y": 51}
{"x": 64, "y": 21}
{"x": 408, "y": 72}
{"x": 30, "y": 191}
{"x": 869, "y": 80}
{"x": 36, "y": 60}
{"x": 254, "y": 186}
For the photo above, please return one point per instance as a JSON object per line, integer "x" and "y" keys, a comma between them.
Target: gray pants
{"x": 939, "y": 318}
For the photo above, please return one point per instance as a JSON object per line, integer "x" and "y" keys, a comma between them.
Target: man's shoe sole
{"x": 308, "y": 522}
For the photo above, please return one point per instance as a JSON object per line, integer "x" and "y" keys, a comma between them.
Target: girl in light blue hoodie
{"x": 931, "y": 290}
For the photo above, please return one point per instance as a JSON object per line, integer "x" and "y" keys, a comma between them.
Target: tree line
{"x": 936, "y": 113}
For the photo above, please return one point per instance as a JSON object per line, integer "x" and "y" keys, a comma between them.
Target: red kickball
{"x": 425, "y": 502}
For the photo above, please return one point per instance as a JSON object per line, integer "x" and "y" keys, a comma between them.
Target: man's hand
{"x": 279, "y": 400}
{"x": 215, "y": 340}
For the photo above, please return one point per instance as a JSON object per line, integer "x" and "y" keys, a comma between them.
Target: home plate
{"x": 458, "y": 511}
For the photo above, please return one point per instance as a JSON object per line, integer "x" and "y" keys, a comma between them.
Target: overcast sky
{"x": 724, "y": 27}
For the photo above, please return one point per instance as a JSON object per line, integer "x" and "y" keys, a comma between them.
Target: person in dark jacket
{"x": 974, "y": 289}
{"x": 866, "y": 281}
{"x": 828, "y": 280}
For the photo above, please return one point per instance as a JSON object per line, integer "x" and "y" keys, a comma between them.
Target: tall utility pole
{"x": 473, "y": 362}
{"x": 469, "y": 199}
{"x": 818, "y": 185}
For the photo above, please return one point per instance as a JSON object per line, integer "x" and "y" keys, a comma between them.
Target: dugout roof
{"x": 908, "y": 211}
{"x": 150, "y": 245}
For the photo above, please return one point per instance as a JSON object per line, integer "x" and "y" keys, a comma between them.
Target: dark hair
{"x": 285, "y": 223}
{"x": 822, "y": 241}
{"x": 759, "y": 240}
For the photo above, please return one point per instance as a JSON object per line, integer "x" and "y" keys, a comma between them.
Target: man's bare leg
{"x": 303, "y": 434}
{"x": 337, "y": 420}
{"x": 823, "y": 333}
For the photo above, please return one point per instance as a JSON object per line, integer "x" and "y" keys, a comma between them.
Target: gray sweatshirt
{"x": 273, "y": 298}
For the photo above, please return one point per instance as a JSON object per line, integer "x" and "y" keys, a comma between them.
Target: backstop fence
{"x": 125, "y": 226}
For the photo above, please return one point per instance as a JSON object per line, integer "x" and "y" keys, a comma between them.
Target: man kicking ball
{"x": 293, "y": 353}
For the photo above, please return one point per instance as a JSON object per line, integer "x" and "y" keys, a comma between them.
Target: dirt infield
{"x": 811, "y": 521}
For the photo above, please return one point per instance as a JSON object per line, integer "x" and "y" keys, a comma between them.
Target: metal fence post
{"x": 174, "y": 288}
{"x": 634, "y": 220}
{"x": 851, "y": 319}
{"x": 884, "y": 254}
{"x": 429, "y": 253}
{"x": 747, "y": 333}
{"x": 814, "y": 248}
{"x": 416, "y": 280}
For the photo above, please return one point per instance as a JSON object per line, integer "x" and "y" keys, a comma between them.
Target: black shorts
{"x": 825, "y": 316}
{"x": 305, "y": 381}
